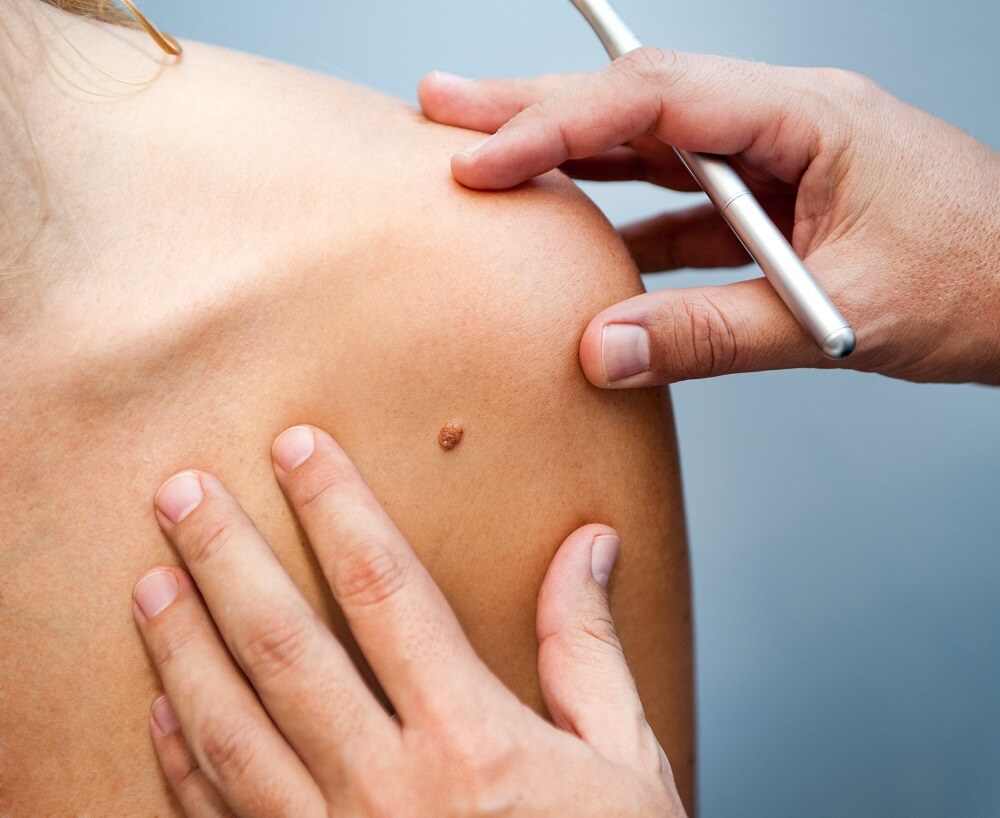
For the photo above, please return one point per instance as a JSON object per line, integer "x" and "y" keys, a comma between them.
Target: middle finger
{"x": 398, "y": 615}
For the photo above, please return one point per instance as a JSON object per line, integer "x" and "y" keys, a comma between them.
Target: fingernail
{"x": 164, "y": 716}
{"x": 624, "y": 351}
{"x": 475, "y": 147}
{"x": 447, "y": 76}
{"x": 179, "y": 496}
{"x": 154, "y": 592}
{"x": 603, "y": 554}
{"x": 294, "y": 446}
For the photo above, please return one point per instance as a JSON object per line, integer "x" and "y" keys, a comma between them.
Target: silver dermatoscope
{"x": 767, "y": 246}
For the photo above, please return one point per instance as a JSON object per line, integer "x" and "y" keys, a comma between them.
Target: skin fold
{"x": 199, "y": 260}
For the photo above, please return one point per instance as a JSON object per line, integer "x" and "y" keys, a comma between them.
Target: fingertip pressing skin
{"x": 700, "y": 332}
{"x": 466, "y": 168}
{"x": 179, "y": 496}
{"x": 443, "y": 95}
{"x": 624, "y": 351}
{"x": 603, "y": 556}
{"x": 293, "y": 447}
{"x": 163, "y": 716}
{"x": 155, "y": 591}
{"x": 590, "y": 352}
{"x": 616, "y": 353}
{"x": 427, "y": 88}
{"x": 579, "y": 558}
{"x": 436, "y": 88}
{"x": 158, "y": 589}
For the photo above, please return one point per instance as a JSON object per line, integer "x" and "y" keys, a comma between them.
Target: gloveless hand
{"x": 300, "y": 734}
{"x": 896, "y": 213}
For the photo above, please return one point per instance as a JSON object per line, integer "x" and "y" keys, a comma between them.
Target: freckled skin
{"x": 450, "y": 436}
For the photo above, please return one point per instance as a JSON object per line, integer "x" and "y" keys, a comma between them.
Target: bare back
{"x": 243, "y": 246}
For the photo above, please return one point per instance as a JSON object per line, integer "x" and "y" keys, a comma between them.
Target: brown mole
{"x": 450, "y": 436}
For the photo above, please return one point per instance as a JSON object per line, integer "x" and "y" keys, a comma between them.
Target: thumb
{"x": 679, "y": 334}
{"x": 585, "y": 681}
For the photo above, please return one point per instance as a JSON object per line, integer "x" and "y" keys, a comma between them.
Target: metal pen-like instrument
{"x": 810, "y": 305}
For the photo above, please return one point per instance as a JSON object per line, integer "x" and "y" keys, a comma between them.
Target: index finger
{"x": 696, "y": 102}
{"x": 484, "y": 105}
{"x": 398, "y": 615}
{"x": 487, "y": 105}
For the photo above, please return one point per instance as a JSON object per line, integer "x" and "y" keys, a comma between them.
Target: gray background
{"x": 844, "y": 527}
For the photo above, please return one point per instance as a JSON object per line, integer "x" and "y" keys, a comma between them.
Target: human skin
{"x": 895, "y": 212}
{"x": 240, "y": 247}
{"x": 317, "y": 743}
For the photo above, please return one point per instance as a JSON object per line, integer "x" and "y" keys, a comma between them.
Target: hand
{"x": 896, "y": 213}
{"x": 306, "y": 737}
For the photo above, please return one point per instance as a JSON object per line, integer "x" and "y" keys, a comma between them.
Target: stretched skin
{"x": 243, "y": 246}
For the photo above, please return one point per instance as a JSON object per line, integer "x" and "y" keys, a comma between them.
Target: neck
{"x": 58, "y": 72}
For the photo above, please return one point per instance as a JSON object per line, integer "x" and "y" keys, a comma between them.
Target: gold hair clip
{"x": 162, "y": 39}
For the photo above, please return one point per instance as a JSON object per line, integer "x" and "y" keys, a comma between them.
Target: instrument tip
{"x": 839, "y": 344}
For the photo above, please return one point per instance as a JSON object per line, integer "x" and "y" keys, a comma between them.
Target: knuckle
{"x": 846, "y": 103}
{"x": 276, "y": 644}
{"x": 382, "y": 782}
{"x": 189, "y": 784}
{"x": 318, "y": 483}
{"x": 850, "y": 81}
{"x": 368, "y": 574}
{"x": 525, "y": 92}
{"x": 228, "y": 746}
{"x": 477, "y": 767}
{"x": 168, "y": 641}
{"x": 704, "y": 341}
{"x": 541, "y": 115}
{"x": 847, "y": 88}
{"x": 656, "y": 65}
{"x": 601, "y": 629}
{"x": 209, "y": 538}
{"x": 383, "y": 802}
{"x": 187, "y": 779}
{"x": 653, "y": 760}
{"x": 646, "y": 754}
{"x": 587, "y": 640}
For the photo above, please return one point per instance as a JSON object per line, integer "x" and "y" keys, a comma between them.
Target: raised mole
{"x": 450, "y": 436}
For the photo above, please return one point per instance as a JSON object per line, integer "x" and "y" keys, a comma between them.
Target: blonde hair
{"x": 129, "y": 17}
{"x": 97, "y": 9}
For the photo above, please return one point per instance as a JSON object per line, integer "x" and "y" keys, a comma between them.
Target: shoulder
{"x": 373, "y": 173}
{"x": 238, "y": 177}
{"x": 361, "y": 187}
